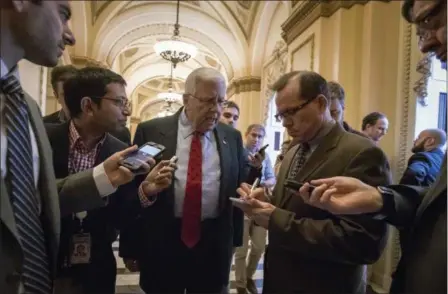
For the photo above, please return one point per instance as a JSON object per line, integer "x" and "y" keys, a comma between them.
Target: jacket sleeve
{"x": 345, "y": 239}
{"x": 238, "y": 214}
{"x": 71, "y": 201}
{"x": 416, "y": 171}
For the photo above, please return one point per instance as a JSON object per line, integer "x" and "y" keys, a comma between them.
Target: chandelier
{"x": 170, "y": 97}
{"x": 175, "y": 50}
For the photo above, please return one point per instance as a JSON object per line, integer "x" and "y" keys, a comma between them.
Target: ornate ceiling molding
{"x": 161, "y": 30}
{"x": 242, "y": 85}
{"x": 307, "y": 12}
{"x": 83, "y": 61}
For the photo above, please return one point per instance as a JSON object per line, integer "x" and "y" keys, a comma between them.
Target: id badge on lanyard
{"x": 81, "y": 243}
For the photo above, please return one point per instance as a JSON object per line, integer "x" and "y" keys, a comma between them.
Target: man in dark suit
{"x": 424, "y": 166}
{"x": 32, "y": 201}
{"x": 59, "y": 75}
{"x": 310, "y": 250}
{"x": 420, "y": 212}
{"x": 93, "y": 96}
{"x": 188, "y": 230}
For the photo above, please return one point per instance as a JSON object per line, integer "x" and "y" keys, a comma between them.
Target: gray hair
{"x": 201, "y": 74}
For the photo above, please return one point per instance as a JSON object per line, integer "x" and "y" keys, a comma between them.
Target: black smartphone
{"x": 294, "y": 185}
{"x": 263, "y": 149}
{"x": 135, "y": 160}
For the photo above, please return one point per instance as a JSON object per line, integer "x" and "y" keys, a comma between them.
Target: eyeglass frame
{"x": 279, "y": 117}
{"x": 124, "y": 102}
{"x": 220, "y": 100}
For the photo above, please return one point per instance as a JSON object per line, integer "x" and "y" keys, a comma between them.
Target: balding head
{"x": 429, "y": 139}
{"x": 205, "y": 91}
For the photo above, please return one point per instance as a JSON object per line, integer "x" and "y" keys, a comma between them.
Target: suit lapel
{"x": 224, "y": 161}
{"x": 47, "y": 187}
{"x": 283, "y": 175}
{"x": 315, "y": 160}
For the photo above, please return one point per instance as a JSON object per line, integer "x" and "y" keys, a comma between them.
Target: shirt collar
{"x": 75, "y": 138}
{"x": 186, "y": 126}
{"x": 322, "y": 133}
{"x": 5, "y": 71}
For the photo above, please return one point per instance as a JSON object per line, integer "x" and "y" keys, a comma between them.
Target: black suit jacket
{"x": 123, "y": 134}
{"x": 420, "y": 212}
{"x": 423, "y": 168}
{"x": 154, "y": 219}
{"x": 102, "y": 223}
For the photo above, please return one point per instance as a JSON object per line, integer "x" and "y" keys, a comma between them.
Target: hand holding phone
{"x": 263, "y": 149}
{"x": 295, "y": 186}
{"x": 136, "y": 159}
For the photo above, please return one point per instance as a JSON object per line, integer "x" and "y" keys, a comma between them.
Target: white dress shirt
{"x": 102, "y": 181}
{"x": 211, "y": 170}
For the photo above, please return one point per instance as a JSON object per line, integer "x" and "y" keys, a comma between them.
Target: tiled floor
{"x": 127, "y": 282}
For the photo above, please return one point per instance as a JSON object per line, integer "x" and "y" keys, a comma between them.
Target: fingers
{"x": 329, "y": 181}
{"x": 122, "y": 154}
{"x": 126, "y": 175}
{"x": 242, "y": 192}
{"x": 317, "y": 194}
{"x": 304, "y": 192}
{"x": 246, "y": 188}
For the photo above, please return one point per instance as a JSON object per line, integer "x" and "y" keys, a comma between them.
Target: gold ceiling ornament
{"x": 421, "y": 85}
{"x": 175, "y": 50}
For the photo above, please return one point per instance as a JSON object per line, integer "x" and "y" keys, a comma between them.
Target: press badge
{"x": 80, "y": 249}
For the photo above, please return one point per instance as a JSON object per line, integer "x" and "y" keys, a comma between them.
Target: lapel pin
{"x": 224, "y": 142}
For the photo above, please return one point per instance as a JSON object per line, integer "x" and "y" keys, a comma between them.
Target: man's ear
{"x": 323, "y": 101}
{"x": 86, "y": 105}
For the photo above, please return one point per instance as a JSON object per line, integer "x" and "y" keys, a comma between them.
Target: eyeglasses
{"x": 120, "y": 101}
{"x": 291, "y": 112}
{"x": 211, "y": 100}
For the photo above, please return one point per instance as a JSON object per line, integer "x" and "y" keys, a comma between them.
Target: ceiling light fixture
{"x": 175, "y": 50}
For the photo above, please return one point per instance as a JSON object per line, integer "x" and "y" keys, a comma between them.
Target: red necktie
{"x": 191, "y": 216}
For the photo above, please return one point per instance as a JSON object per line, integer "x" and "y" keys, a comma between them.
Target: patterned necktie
{"x": 36, "y": 270}
{"x": 191, "y": 216}
{"x": 300, "y": 160}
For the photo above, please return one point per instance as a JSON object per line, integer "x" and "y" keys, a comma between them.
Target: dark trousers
{"x": 177, "y": 268}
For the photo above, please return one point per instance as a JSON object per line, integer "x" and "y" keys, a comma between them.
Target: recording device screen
{"x": 142, "y": 155}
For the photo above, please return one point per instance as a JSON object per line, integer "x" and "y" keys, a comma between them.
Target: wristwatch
{"x": 388, "y": 208}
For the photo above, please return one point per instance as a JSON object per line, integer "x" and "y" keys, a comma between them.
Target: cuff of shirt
{"x": 144, "y": 200}
{"x": 102, "y": 182}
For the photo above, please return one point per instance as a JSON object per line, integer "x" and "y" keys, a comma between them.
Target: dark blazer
{"x": 311, "y": 250}
{"x": 420, "y": 212}
{"x": 58, "y": 197}
{"x": 423, "y": 168}
{"x": 102, "y": 223}
{"x": 123, "y": 134}
{"x": 159, "y": 216}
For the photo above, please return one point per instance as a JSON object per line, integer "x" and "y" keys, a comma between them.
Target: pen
{"x": 254, "y": 185}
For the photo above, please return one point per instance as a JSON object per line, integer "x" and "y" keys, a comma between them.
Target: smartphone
{"x": 262, "y": 149}
{"x": 135, "y": 160}
{"x": 294, "y": 185}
